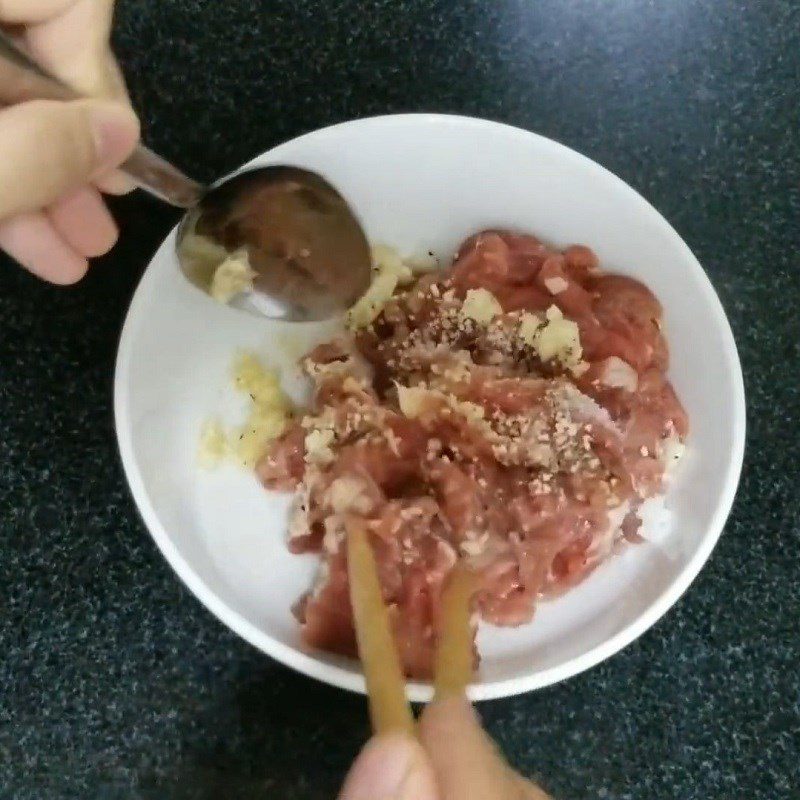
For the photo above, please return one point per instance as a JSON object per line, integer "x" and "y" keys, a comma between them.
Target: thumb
{"x": 50, "y": 148}
{"x": 466, "y": 762}
{"x": 391, "y": 767}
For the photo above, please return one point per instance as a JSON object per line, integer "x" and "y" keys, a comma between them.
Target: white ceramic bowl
{"x": 419, "y": 183}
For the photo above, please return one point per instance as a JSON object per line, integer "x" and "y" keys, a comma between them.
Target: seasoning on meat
{"x": 510, "y": 413}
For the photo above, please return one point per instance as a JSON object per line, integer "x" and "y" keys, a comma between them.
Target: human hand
{"x": 454, "y": 759}
{"x": 56, "y": 157}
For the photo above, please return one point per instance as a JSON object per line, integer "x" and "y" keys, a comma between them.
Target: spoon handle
{"x": 21, "y": 79}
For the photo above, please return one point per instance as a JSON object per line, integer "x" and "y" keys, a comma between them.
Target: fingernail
{"x": 115, "y": 130}
{"x": 115, "y": 182}
{"x": 389, "y": 768}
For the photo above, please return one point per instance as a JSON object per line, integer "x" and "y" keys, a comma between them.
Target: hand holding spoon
{"x": 305, "y": 246}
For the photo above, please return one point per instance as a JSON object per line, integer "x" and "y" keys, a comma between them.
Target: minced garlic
{"x": 389, "y": 271}
{"x": 233, "y": 276}
{"x": 268, "y": 412}
{"x": 473, "y": 412}
{"x": 346, "y": 495}
{"x": 213, "y": 447}
{"x": 263, "y": 385}
{"x": 318, "y": 446}
{"x": 262, "y": 426}
{"x": 413, "y": 401}
{"x": 559, "y": 340}
{"x": 200, "y": 253}
{"x": 529, "y": 327}
{"x": 481, "y": 306}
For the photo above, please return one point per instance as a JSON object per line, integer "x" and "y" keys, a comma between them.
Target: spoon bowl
{"x": 307, "y": 254}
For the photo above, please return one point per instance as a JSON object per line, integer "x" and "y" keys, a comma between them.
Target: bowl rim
{"x": 352, "y": 681}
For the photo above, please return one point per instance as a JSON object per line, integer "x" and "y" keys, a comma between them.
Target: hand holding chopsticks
{"x": 447, "y": 756}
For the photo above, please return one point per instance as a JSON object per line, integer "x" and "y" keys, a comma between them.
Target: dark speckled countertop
{"x": 116, "y": 683}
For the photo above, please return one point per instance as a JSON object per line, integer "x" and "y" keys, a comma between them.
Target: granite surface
{"x": 116, "y": 683}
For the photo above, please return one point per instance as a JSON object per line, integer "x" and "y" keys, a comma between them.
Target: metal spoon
{"x": 305, "y": 245}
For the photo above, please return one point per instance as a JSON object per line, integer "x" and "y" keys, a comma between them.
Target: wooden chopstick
{"x": 388, "y": 706}
{"x": 453, "y": 665}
